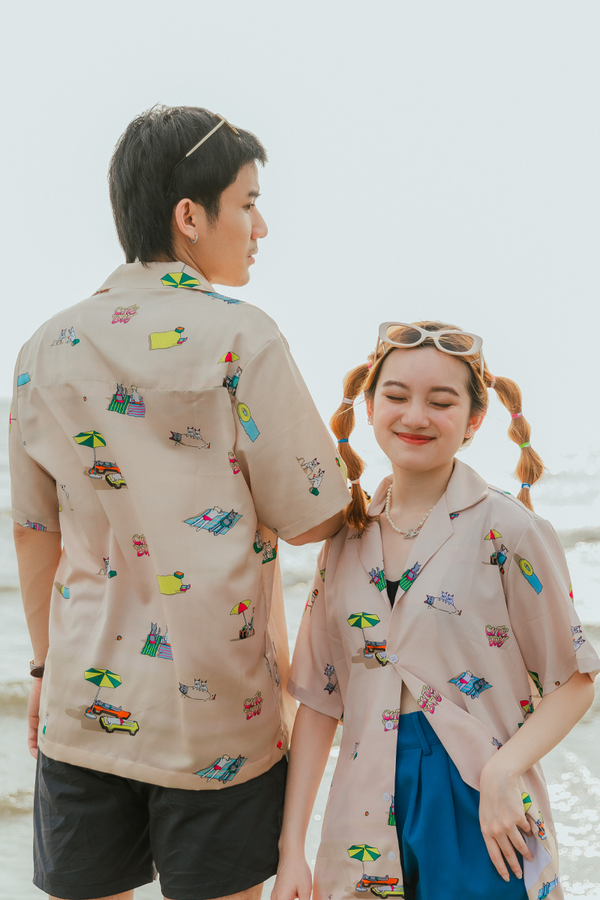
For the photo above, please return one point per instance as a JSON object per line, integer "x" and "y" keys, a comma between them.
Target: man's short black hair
{"x": 144, "y": 189}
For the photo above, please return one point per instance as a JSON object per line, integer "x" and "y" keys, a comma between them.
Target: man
{"x": 167, "y": 442}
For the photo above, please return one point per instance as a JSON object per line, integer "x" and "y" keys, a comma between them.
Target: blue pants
{"x": 444, "y": 856}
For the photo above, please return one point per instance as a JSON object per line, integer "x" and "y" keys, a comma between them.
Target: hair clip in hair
{"x": 526, "y": 486}
{"x": 493, "y": 382}
{"x": 526, "y": 444}
{"x": 355, "y": 482}
{"x": 343, "y": 441}
{"x": 348, "y": 400}
{"x": 516, "y": 415}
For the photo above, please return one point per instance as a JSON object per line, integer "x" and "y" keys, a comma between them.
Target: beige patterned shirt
{"x": 483, "y": 624}
{"x": 166, "y": 432}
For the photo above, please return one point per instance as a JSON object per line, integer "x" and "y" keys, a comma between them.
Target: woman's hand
{"x": 33, "y": 716}
{"x": 501, "y": 815}
{"x": 294, "y": 879}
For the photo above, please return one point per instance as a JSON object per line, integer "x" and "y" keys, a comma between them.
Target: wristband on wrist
{"x": 36, "y": 671}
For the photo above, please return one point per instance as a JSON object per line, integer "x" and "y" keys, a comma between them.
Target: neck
{"x": 186, "y": 256}
{"x": 418, "y": 490}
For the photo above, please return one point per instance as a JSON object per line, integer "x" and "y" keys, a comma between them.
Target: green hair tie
{"x": 526, "y": 444}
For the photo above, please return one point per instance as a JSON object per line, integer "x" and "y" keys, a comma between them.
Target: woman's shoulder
{"x": 505, "y": 512}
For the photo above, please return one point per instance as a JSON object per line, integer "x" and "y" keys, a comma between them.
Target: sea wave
{"x": 14, "y": 696}
{"x": 16, "y": 802}
{"x": 570, "y": 537}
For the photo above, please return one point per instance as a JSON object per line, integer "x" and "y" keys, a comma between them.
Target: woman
{"x": 443, "y": 610}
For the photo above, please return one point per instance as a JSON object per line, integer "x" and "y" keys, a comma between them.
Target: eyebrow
{"x": 254, "y": 194}
{"x": 434, "y": 390}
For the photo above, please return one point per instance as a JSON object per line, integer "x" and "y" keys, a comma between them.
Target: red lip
{"x": 415, "y": 439}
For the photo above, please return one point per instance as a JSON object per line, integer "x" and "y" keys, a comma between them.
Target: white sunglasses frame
{"x": 434, "y": 335}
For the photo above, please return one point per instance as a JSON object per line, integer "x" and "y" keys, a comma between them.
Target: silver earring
{"x": 369, "y": 420}
{"x": 468, "y": 434}
{"x": 195, "y": 239}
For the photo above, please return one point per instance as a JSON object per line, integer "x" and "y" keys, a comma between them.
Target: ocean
{"x": 569, "y": 496}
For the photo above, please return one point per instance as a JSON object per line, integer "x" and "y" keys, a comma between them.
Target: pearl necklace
{"x": 412, "y": 532}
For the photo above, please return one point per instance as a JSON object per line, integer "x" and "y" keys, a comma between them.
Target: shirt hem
{"x": 137, "y": 771}
{"x": 19, "y": 518}
{"x": 317, "y": 517}
{"x": 586, "y": 666}
{"x": 308, "y": 699}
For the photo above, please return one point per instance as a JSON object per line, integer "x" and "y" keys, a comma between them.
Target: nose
{"x": 259, "y": 226}
{"x": 414, "y": 415}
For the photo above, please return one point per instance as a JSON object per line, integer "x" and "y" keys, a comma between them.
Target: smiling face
{"x": 421, "y": 408}
{"x": 225, "y": 248}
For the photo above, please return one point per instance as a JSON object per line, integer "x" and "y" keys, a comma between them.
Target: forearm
{"x": 311, "y": 742}
{"x": 38, "y": 555}
{"x": 554, "y": 717}
{"x": 320, "y": 532}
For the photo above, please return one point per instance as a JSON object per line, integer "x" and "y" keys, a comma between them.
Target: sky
{"x": 426, "y": 160}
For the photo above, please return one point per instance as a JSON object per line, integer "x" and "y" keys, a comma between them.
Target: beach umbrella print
{"x": 363, "y": 852}
{"x": 179, "y": 279}
{"x": 363, "y": 620}
{"x": 91, "y": 439}
{"x": 229, "y": 357}
{"x": 492, "y": 535}
{"x": 241, "y": 608}
{"x": 102, "y": 678}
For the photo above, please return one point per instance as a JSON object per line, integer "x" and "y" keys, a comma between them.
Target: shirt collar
{"x": 136, "y": 276}
{"x": 465, "y": 489}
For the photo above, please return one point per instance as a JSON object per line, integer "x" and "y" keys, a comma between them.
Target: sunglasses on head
{"x": 222, "y": 122}
{"x": 448, "y": 340}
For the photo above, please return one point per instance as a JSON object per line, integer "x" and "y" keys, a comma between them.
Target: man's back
{"x": 166, "y": 432}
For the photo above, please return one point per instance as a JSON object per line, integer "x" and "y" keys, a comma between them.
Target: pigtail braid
{"x": 530, "y": 467}
{"x": 342, "y": 424}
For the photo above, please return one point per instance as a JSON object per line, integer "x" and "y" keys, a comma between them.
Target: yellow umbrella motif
{"x": 241, "y": 608}
{"x": 363, "y": 852}
{"x": 526, "y": 801}
{"x": 90, "y": 439}
{"x": 363, "y": 620}
{"x": 492, "y": 535}
{"x": 179, "y": 279}
{"x": 103, "y": 678}
{"x": 229, "y": 357}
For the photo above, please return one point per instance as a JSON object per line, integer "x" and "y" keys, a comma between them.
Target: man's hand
{"x": 501, "y": 815}
{"x": 294, "y": 879}
{"x": 33, "y": 716}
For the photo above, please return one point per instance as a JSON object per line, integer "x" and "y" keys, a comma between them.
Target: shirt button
{"x": 393, "y": 658}
{"x": 391, "y": 855}
{"x": 386, "y": 797}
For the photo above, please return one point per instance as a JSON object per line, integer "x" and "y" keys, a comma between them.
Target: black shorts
{"x": 97, "y": 834}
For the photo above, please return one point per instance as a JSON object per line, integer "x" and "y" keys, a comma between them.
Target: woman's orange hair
{"x": 363, "y": 380}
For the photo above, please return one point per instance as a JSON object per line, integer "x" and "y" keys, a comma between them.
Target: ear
{"x": 475, "y": 422}
{"x": 189, "y": 219}
{"x": 369, "y": 405}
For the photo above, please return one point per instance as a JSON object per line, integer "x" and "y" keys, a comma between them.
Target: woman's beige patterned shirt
{"x": 483, "y": 624}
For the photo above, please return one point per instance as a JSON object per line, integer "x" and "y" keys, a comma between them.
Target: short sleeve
{"x": 543, "y": 618}
{"x": 283, "y": 445}
{"x": 314, "y": 680}
{"x": 33, "y": 491}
